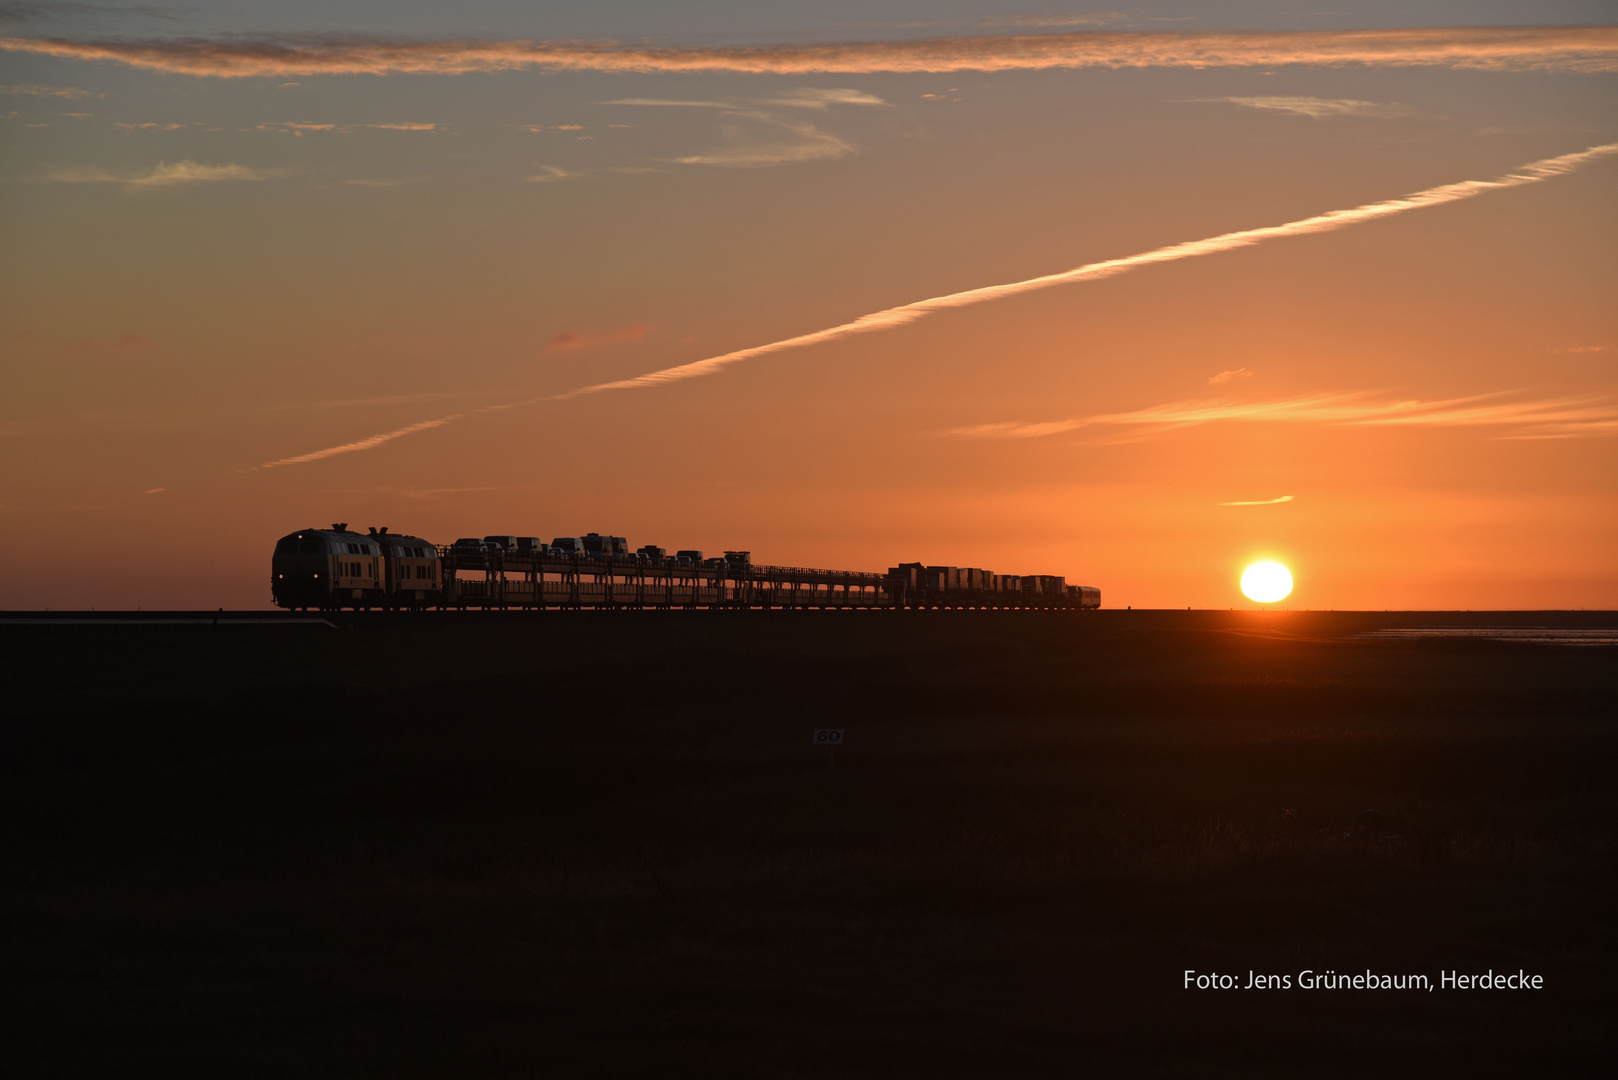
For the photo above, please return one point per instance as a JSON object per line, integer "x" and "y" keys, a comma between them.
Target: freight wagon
{"x": 917, "y": 585}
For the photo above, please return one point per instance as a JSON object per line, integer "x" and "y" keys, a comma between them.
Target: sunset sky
{"x": 266, "y": 267}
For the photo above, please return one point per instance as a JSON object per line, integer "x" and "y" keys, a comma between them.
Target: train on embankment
{"x": 331, "y": 569}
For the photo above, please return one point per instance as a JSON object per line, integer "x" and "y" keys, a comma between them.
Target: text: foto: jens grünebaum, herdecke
{"x": 1309, "y": 979}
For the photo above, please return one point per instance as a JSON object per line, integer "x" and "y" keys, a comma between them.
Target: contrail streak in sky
{"x": 363, "y": 444}
{"x": 889, "y": 318}
{"x": 1327, "y": 222}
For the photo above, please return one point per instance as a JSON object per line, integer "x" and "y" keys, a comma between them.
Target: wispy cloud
{"x": 894, "y": 317}
{"x": 549, "y": 174}
{"x": 1564, "y": 417}
{"x": 1319, "y": 108}
{"x": 1258, "y": 502}
{"x": 300, "y": 127}
{"x": 573, "y": 340}
{"x": 746, "y": 149}
{"x": 807, "y": 143}
{"x": 1015, "y": 429}
{"x": 30, "y": 90}
{"x": 164, "y": 175}
{"x": 812, "y": 98}
{"x": 1540, "y": 48}
{"x": 294, "y": 127}
{"x": 1226, "y": 376}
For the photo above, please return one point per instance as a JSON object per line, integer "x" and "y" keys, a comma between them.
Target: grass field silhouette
{"x": 592, "y": 844}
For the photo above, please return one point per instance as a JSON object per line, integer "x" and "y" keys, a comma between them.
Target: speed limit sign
{"x": 828, "y": 736}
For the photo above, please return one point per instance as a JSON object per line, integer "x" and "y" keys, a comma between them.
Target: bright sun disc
{"x": 1266, "y": 582}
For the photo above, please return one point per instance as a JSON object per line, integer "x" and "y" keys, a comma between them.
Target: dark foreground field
{"x": 602, "y": 845}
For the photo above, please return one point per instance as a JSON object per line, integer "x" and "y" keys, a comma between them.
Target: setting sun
{"x": 1266, "y": 582}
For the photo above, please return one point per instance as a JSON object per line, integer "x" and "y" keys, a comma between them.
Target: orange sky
{"x": 203, "y": 275}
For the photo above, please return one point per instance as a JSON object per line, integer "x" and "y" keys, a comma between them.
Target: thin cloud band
{"x": 1590, "y": 49}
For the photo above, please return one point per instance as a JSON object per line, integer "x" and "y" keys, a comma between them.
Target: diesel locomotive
{"x": 334, "y": 568}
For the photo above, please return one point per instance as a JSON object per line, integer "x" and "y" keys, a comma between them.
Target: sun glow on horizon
{"x": 1266, "y": 582}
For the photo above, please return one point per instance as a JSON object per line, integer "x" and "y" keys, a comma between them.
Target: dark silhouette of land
{"x": 601, "y": 844}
